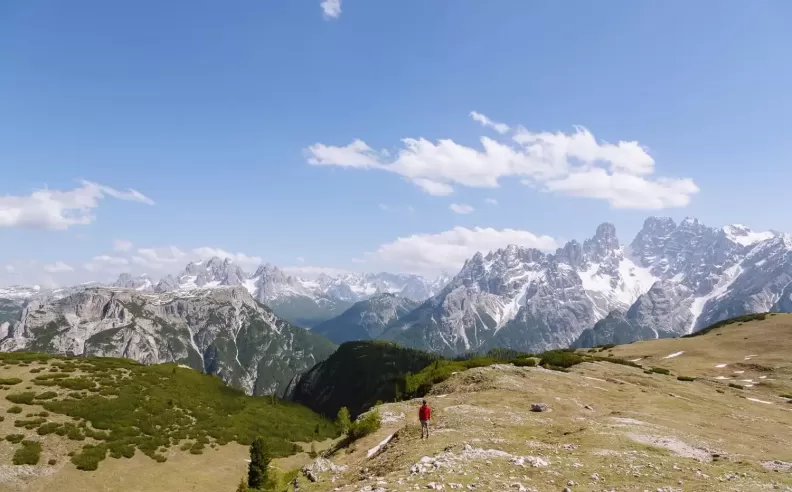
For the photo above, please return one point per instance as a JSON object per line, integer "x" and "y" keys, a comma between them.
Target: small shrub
{"x": 560, "y": 359}
{"x": 89, "y": 457}
{"x": 47, "y": 395}
{"x": 530, "y": 362}
{"x": 197, "y": 448}
{"x": 736, "y": 386}
{"x": 366, "y": 425}
{"x": 28, "y": 454}
{"x": 15, "y": 409}
{"x": 720, "y": 390}
{"x": 14, "y": 438}
{"x": 661, "y": 370}
{"x": 786, "y": 395}
{"x": 52, "y": 462}
{"x": 24, "y": 398}
{"x": 48, "y": 428}
{"x": 10, "y": 381}
{"x": 685, "y": 378}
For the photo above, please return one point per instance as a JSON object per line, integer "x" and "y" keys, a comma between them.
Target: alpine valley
{"x": 253, "y": 329}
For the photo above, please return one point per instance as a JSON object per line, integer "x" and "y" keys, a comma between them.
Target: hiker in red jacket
{"x": 424, "y": 415}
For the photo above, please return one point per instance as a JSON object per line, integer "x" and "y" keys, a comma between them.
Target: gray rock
{"x": 221, "y": 331}
{"x": 539, "y": 407}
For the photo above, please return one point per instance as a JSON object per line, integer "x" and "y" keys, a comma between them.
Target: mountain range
{"x": 221, "y": 331}
{"x": 670, "y": 280}
{"x": 302, "y": 301}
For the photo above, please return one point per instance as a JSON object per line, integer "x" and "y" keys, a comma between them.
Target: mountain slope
{"x": 221, "y": 331}
{"x": 608, "y": 426}
{"x": 356, "y": 376}
{"x": 157, "y": 422}
{"x": 525, "y": 299}
{"x": 366, "y": 319}
{"x": 671, "y": 280}
{"x": 708, "y": 275}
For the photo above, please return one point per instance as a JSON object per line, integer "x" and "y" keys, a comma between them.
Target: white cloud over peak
{"x": 460, "y": 208}
{"x": 331, "y": 8}
{"x": 573, "y": 164}
{"x": 54, "y": 209}
{"x": 431, "y": 254}
{"x": 58, "y": 267}
{"x": 241, "y": 259}
{"x": 498, "y": 127}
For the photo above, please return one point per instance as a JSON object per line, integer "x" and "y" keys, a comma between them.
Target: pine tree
{"x": 343, "y": 420}
{"x": 259, "y": 464}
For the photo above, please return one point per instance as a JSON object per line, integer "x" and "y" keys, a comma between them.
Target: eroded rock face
{"x": 221, "y": 331}
{"x": 671, "y": 280}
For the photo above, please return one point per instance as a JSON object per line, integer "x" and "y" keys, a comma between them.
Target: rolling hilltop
{"x": 704, "y": 413}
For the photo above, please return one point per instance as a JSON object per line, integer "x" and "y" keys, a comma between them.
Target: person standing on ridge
{"x": 424, "y": 415}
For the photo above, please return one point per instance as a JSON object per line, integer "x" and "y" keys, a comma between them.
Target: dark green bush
{"x": 530, "y": 362}
{"x": 48, "y": 428}
{"x": 88, "y": 459}
{"x": 367, "y": 424}
{"x": 685, "y": 378}
{"x": 47, "y": 395}
{"x": 15, "y": 409}
{"x": 28, "y": 454}
{"x": 10, "y": 381}
{"x": 661, "y": 370}
{"x": 736, "y": 386}
{"x": 24, "y": 398}
{"x": 560, "y": 359}
{"x": 14, "y": 438}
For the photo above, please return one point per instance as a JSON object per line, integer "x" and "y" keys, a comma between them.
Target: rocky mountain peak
{"x": 127, "y": 281}
{"x": 603, "y": 244}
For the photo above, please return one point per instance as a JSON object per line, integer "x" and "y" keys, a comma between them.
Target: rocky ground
{"x": 605, "y": 426}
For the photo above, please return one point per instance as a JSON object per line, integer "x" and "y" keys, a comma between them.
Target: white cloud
{"x": 460, "y": 208}
{"x": 491, "y": 201}
{"x": 159, "y": 258}
{"x": 241, "y": 259}
{"x": 10, "y": 268}
{"x": 384, "y": 207}
{"x": 53, "y": 209}
{"x": 430, "y": 254}
{"x": 58, "y": 267}
{"x": 566, "y": 163}
{"x": 331, "y": 8}
{"x": 300, "y": 259}
{"x": 498, "y": 127}
{"x": 122, "y": 245}
{"x": 107, "y": 264}
{"x": 625, "y": 190}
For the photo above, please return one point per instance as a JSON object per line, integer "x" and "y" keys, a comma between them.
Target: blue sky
{"x": 234, "y": 120}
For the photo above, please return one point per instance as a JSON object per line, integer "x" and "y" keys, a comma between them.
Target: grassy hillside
{"x": 82, "y": 410}
{"x": 357, "y": 375}
{"x": 676, "y": 416}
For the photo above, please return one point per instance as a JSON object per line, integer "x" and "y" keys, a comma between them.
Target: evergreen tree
{"x": 259, "y": 464}
{"x": 344, "y": 420}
